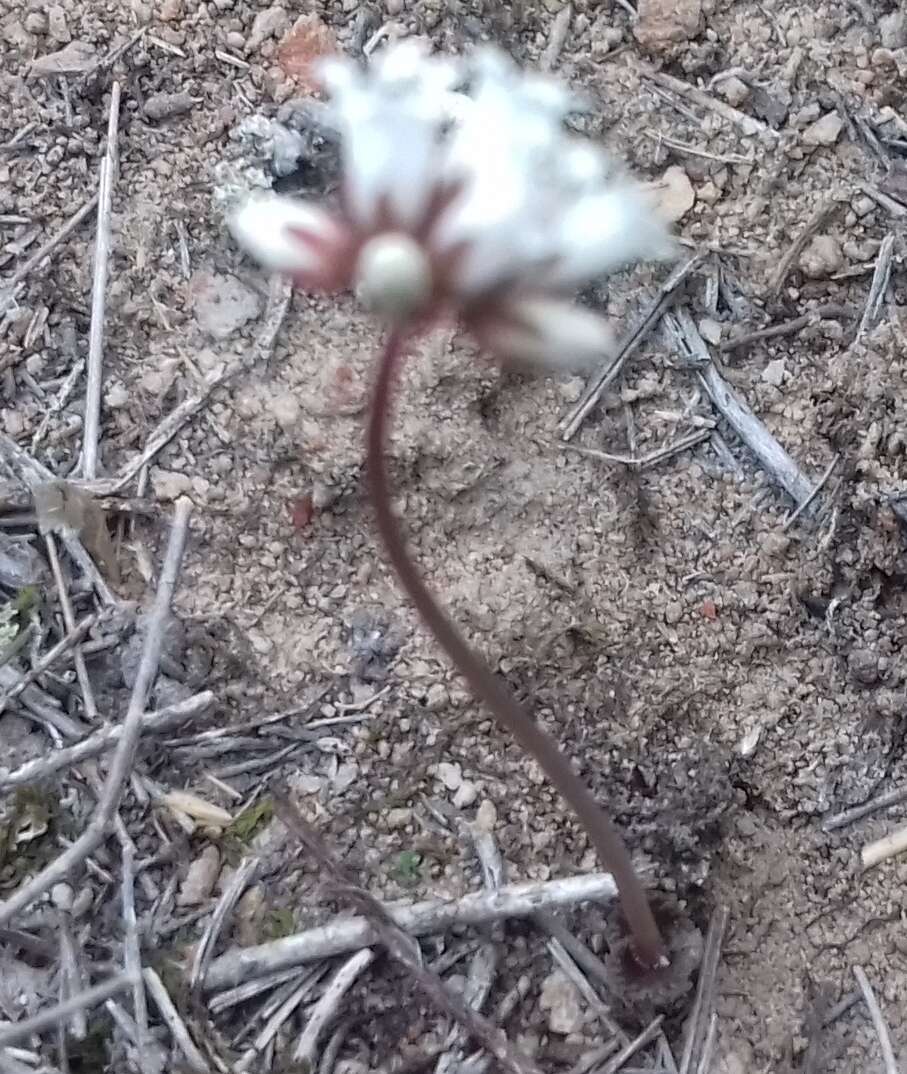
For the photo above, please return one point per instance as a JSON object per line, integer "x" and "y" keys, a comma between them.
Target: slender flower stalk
{"x": 480, "y": 205}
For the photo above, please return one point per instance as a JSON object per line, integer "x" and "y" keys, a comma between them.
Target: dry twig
{"x": 124, "y": 756}
{"x": 747, "y": 124}
{"x": 628, "y": 1051}
{"x": 53, "y": 1016}
{"x": 399, "y": 946}
{"x": 48, "y": 248}
{"x": 735, "y": 411}
{"x": 644, "y": 461}
{"x": 881, "y": 801}
{"x": 418, "y": 919}
{"x": 275, "y": 314}
{"x": 53, "y": 654}
{"x": 881, "y": 849}
{"x": 818, "y": 220}
{"x": 106, "y": 738}
{"x": 92, "y": 428}
{"x": 69, "y": 620}
{"x": 696, "y": 1036}
{"x": 878, "y": 1021}
{"x": 242, "y": 877}
{"x": 785, "y": 328}
{"x": 881, "y": 277}
{"x": 132, "y": 961}
{"x": 596, "y": 387}
{"x": 194, "y": 1058}
{"x": 325, "y": 1010}
{"x": 817, "y": 488}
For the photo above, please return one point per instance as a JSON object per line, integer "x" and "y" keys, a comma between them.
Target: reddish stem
{"x": 649, "y": 946}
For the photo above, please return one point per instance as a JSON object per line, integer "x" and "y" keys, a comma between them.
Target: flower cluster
{"x": 464, "y": 194}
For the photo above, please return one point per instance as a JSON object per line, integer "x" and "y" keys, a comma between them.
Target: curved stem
{"x": 649, "y": 946}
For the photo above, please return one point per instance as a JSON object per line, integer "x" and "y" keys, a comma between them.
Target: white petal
{"x": 549, "y": 333}
{"x": 391, "y": 117}
{"x": 262, "y": 226}
{"x": 604, "y": 232}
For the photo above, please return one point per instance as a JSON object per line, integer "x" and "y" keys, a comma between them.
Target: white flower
{"x": 463, "y": 190}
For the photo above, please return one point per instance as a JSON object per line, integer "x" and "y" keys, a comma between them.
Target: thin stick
{"x": 643, "y": 461}
{"x": 785, "y": 328}
{"x": 196, "y": 1061}
{"x": 399, "y": 946}
{"x": 69, "y": 619}
{"x": 897, "y": 210}
{"x": 106, "y": 738}
{"x": 747, "y": 124}
{"x": 325, "y": 1010}
{"x": 95, "y": 374}
{"x": 70, "y": 975}
{"x": 52, "y": 243}
{"x": 820, "y": 484}
{"x": 124, "y": 756}
{"x": 878, "y": 1021}
{"x": 133, "y": 961}
{"x": 278, "y": 303}
{"x": 736, "y": 412}
{"x": 818, "y": 220}
{"x": 649, "y": 945}
{"x": 249, "y": 989}
{"x": 596, "y": 388}
{"x": 417, "y": 919}
{"x": 9, "y": 1034}
{"x": 708, "y": 1048}
{"x": 240, "y": 880}
{"x": 646, "y": 1037}
{"x": 848, "y": 816}
{"x": 275, "y": 1021}
{"x": 697, "y": 1026}
{"x": 49, "y": 659}
{"x": 881, "y": 277}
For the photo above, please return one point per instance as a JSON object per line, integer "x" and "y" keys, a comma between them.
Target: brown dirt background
{"x": 654, "y": 621}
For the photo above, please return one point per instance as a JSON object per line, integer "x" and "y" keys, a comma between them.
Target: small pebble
{"x": 200, "y": 879}
{"x": 437, "y": 697}
{"x": 663, "y": 23}
{"x": 774, "y": 373}
{"x": 36, "y": 22}
{"x": 675, "y": 193}
{"x": 398, "y": 818}
{"x": 61, "y": 896}
{"x": 734, "y": 90}
{"x": 486, "y": 816}
{"x": 450, "y": 775}
{"x": 466, "y": 795}
{"x": 822, "y": 257}
{"x": 825, "y": 131}
{"x": 561, "y": 1000}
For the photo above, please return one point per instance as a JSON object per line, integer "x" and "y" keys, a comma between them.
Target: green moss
{"x": 278, "y": 923}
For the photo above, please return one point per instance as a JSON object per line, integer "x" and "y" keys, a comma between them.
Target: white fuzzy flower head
{"x": 462, "y": 190}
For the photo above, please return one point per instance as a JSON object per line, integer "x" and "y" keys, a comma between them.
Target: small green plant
{"x": 408, "y": 868}
{"x": 279, "y": 923}
{"x": 251, "y": 821}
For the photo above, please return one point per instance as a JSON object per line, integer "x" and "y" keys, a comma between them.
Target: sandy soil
{"x": 726, "y": 681}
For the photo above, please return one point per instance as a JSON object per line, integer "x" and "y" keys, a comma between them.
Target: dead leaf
{"x": 66, "y": 509}
{"x": 75, "y": 59}
{"x": 197, "y": 808}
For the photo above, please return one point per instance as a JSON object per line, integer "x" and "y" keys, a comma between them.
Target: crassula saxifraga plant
{"x": 463, "y": 196}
